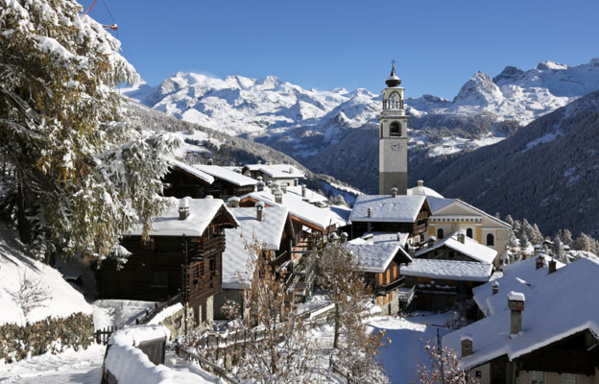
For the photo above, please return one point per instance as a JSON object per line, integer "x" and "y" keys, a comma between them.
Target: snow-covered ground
{"x": 408, "y": 336}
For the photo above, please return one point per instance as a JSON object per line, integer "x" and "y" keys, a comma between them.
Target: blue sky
{"x": 438, "y": 45}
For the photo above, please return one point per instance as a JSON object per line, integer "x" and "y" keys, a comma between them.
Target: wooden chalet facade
{"x": 382, "y": 213}
{"x": 269, "y": 228}
{"x": 184, "y": 180}
{"x": 186, "y": 259}
{"x": 381, "y": 257}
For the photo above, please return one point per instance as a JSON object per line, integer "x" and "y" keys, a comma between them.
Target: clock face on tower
{"x": 395, "y": 146}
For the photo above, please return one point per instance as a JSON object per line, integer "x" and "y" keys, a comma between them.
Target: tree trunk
{"x": 337, "y": 326}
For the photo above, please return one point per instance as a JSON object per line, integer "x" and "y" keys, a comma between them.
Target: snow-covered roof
{"x": 192, "y": 171}
{"x": 320, "y": 215}
{"x": 448, "y": 270}
{"x": 201, "y": 213}
{"x": 515, "y": 277}
{"x": 423, "y": 191}
{"x": 226, "y": 174}
{"x": 438, "y": 204}
{"x": 558, "y": 305}
{"x": 373, "y": 257}
{"x": 277, "y": 171}
{"x": 375, "y": 250}
{"x": 382, "y": 238}
{"x": 470, "y": 248}
{"x": 386, "y": 208}
{"x": 269, "y": 231}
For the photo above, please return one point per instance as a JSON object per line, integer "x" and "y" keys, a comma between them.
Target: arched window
{"x": 440, "y": 233}
{"x": 395, "y": 101}
{"x": 469, "y": 233}
{"x": 490, "y": 240}
{"x": 395, "y": 129}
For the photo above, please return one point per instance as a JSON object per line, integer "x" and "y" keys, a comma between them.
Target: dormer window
{"x": 395, "y": 129}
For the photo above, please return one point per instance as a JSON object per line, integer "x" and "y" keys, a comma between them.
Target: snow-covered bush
{"x": 49, "y": 335}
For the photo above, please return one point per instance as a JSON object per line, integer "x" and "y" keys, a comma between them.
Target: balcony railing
{"x": 382, "y": 289}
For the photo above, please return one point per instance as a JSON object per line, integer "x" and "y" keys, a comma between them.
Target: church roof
{"x": 386, "y": 208}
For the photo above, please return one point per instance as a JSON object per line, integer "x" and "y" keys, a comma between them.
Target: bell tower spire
{"x": 393, "y": 138}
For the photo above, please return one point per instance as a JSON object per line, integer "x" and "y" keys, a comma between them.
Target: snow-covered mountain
{"x": 546, "y": 172}
{"x": 304, "y": 122}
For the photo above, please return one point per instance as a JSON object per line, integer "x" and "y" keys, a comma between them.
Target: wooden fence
{"x": 103, "y": 335}
{"x": 158, "y": 307}
{"x": 220, "y": 372}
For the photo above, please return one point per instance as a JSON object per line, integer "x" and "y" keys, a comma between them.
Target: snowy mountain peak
{"x": 551, "y": 65}
{"x": 480, "y": 90}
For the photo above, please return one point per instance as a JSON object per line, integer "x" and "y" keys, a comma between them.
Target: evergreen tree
{"x": 558, "y": 250}
{"x": 536, "y": 237}
{"x": 508, "y": 219}
{"x": 584, "y": 242}
{"x": 567, "y": 237}
{"x": 83, "y": 175}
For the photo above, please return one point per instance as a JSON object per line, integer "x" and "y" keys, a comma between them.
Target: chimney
{"x": 431, "y": 241}
{"x": 344, "y": 237}
{"x": 467, "y": 344}
{"x": 539, "y": 262}
{"x": 303, "y": 190}
{"x": 333, "y": 237}
{"x": 278, "y": 196}
{"x": 495, "y": 287}
{"x": 210, "y": 161}
{"x": 184, "y": 208}
{"x": 461, "y": 237}
{"x": 394, "y": 192}
{"x": 260, "y": 211}
{"x": 420, "y": 183}
{"x": 516, "y": 305}
{"x": 498, "y": 215}
{"x": 369, "y": 212}
{"x": 233, "y": 202}
{"x": 284, "y": 187}
{"x": 552, "y": 266}
{"x": 295, "y": 182}
{"x": 290, "y": 169}
{"x": 260, "y": 184}
{"x": 398, "y": 236}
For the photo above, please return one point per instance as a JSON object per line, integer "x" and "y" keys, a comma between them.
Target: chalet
{"x": 542, "y": 326}
{"x": 444, "y": 272}
{"x": 183, "y": 253}
{"x": 227, "y": 182}
{"x": 380, "y": 256}
{"x": 391, "y": 213}
{"x": 281, "y": 173}
{"x": 451, "y": 215}
{"x": 184, "y": 180}
{"x": 313, "y": 220}
{"x": 270, "y": 228}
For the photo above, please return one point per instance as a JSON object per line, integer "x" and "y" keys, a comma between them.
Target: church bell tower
{"x": 393, "y": 138}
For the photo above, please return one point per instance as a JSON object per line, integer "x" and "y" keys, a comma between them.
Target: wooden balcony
{"x": 383, "y": 289}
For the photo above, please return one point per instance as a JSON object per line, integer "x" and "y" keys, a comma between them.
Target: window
{"x": 440, "y": 233}
{"x": 160, "y": 278}
{"x": 395, "y": 129}
{"x": 537, "y": 377}
{"x": 148, "y": 244}
{"x": 568, "y": 378}
{"x": 490, "y": 239}
{"x": 388, "y": 276}
{"x": 395, "y": 271}
{"x": 380, "y": 279}
{"x": 469, "y": 233}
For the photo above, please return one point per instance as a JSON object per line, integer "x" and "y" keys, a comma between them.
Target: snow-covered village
{"x": 241, "y": 230}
